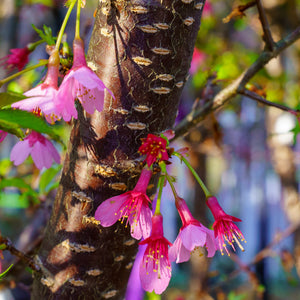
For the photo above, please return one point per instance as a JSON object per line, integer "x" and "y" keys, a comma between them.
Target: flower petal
{"x": 193, "y": 236}
{"x": 40, "y": 156}
{"x": 88, "y": 78}
{"x": 211, "y": 245}
{"x": 178, "y": 252}
{"x": 64, "y": 100}
{"x": 52, "y": 150}
{"x": 151, "y": 280}
{"x": 108, "y": 212}
{"x": 20, "y": 152}
{"x": 91, "y": 100}
{"x": 141, "y": 227}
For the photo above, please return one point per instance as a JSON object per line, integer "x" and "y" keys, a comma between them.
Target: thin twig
{"x": 238, "y": 11}
{"x": 278, "y": 238}
{"x": 264, "y": 101}
{"x": 267, "y": 55}
{"x": 9, "y": 247}
{"x": 265, "y": 26}
{"x": 266, "y": 252}
{"x": 237, "y": 86}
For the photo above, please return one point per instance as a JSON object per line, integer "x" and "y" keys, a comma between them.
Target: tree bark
{"x": 142, "y": 51}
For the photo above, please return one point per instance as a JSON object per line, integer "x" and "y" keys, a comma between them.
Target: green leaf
{"x": 15, "y": 182}
{"x": 9, "y": 98}
{"x": 44, "y": 2}
{"x": 30, "y": 196}
{"x": 296, "y": 131}
{"x": 13, "y": 201}
{"x": 47, "y": 177}
{"x": 233, "y": 296}
{"x": 153, "y": 296}
{"x": 6, "y": 271}
{"x": 68, "y": 3}
{"x": 11, "y": 128}
{"x": 12, "y": 120}
{"x": 261, "y": 288}
{"x": 5, "y": 165}
{"x": 52, "y": 186}
{"x": 45, "y": 35}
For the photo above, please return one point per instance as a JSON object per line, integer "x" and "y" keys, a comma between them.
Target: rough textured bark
{"x": 142, "y": 50}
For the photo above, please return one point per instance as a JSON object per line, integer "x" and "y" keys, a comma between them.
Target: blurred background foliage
{"x": 247, "y": 153}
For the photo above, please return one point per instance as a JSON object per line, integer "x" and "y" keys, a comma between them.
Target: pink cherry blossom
{"x": 3, "y": 135}
{"x": 169, "y": 134}
{"x": 81, "y": 83}
{"x": 197, "y": 60}
{"x": 207, "y": 10}
{"x": 155, "y": 148}
{"x": 41, "y": 98}
{"x": 155, "y": 268}
{"x": 224, "y": 228}
{"x": 192, "y": 235}
{"x": 133, "y": 205}
{"x": 42, "y": 151}
{"x": 18, "y": 58}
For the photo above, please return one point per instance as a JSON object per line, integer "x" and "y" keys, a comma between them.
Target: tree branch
{"x": 264, "y": 101}
{"x": 22, "y": 256}
{"x": 237, "y": 86}
{"x": 238, "y": 11}
{"x": 265, "y": 26}
{"x": 264, "y": 253}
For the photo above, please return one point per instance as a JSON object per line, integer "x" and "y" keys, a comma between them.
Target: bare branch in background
{"x": 238, "y": 11}
{"x": 22, "y": 256}
{"x": 237, "y": 86}
{"x": 266, "y": 252}
{"x": 255, "y": 96}
{"x": 267, "y": 37}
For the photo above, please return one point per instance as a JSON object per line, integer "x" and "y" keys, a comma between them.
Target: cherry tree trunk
{"x": 142, "y": 50}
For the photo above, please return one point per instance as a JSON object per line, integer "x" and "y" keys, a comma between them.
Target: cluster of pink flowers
{"x": 55, "y": 102}
{"x": 59, "y": 102}
{"x": 133, "y": 206}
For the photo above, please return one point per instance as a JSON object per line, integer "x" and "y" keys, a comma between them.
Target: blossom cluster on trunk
{"x": 57, "y": 102}
{"x": 132, "y": 207}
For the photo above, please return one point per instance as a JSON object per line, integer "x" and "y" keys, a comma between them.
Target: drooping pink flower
{"x": 3, "y": 135}
{"x": 81, "y": 83}
{"x": 192, "y": 235}
{"x": 184, "y": 151}
{"x": 18, "y": 58}
{"x": 224, "y": 228}
{"x": 133, "y": 205}
{"x": 41, "y": 149}
{"x": 197, "y": 59}
{"x": 207, "y": 10}
{"x": 155, "y": 268}
{"x": 155, "y": 148}
{"x": 41, "y": 98}
{"x": 169, "y": 134}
